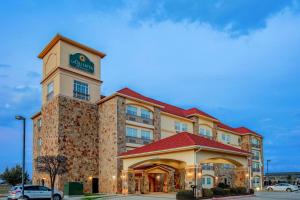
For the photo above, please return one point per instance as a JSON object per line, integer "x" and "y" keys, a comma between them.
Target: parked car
{"x": 33, "y": 192}
{"x": 283, "y": 187}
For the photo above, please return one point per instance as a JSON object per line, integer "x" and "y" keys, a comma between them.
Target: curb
{"x": 233, "y": 197}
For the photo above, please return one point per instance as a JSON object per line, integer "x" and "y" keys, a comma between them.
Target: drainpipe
{"x": 195, "y": 174}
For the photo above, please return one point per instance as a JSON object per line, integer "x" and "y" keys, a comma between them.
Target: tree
{"x": 53, "y": 166}
{"x": 13, "y": 176}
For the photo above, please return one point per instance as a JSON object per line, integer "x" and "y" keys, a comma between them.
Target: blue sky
{"x": 237, "y": 60}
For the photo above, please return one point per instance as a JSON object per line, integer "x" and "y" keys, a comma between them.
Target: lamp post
{"x": 268, "y": 170}
{"x": 18, "y": 117}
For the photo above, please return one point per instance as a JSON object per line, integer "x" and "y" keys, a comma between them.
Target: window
{"x": 177, "y": 126}
{"x": 40, "y": 142}
{"x": 180, "y": 126}
{"x": 131, "y": 132}
{"x": 81, "y": 90}
{"x": 226, "y": 138}
{"x": 50, "y": 90}
{"x": 254, "y": 141}
{"x": 255, "y": 153}
{"x": 131, "y": 110}
{"x": 184, "y": 127}
{"x": 205, "y": 132}
{"x": 255, "y": 165}
{"x": 203, "y": 181}
{"x": 208, "y": 180}
{"x": 145, "y": 134}
{"x": 39, "y": 123}
{"x": 145, "y": 113}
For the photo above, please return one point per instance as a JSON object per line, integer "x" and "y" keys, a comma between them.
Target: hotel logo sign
{"x": 81, "y": 62}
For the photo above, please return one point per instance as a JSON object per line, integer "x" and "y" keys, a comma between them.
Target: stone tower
{"x": 68, "y": 121}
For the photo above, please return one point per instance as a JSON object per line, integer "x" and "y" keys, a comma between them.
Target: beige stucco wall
{"x": 59, "y": 56}
{"x": 234, "y": 138}
{"x": 168, "y": 125}
{"x": 219, "y": 157}
{"x": 188, "y": 157}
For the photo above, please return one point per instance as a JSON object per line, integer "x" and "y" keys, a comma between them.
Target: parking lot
{"x": 258, "y": 196}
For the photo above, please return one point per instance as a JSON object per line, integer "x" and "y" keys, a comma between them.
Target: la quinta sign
{"x": 81, "y": 62}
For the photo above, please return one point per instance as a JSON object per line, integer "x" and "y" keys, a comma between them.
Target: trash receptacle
{"x": 73, "y": 188}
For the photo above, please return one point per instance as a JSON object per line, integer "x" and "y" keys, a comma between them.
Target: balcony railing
{"x": 136, "y": 140}
{"x": 255, "y": 157}
{"x": 139, "y": 119}
{"x": 207, "y": 167}
{"x": 255, "y": 145}
{"x": 255, "y": 169}
{"x": 80, "y": 95}
{"x": 50, "y": 96}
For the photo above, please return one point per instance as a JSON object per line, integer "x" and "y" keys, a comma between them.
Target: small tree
{"x": 53, "y": 166}
{"x": 13, "y": 176}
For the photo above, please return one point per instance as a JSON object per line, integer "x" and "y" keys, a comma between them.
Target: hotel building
{"x": 128, "y": 142}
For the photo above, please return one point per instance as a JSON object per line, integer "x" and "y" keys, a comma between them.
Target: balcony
{"x": 255, "y": 170}
{"x": 207, "y": 167}
{"x": 255, "y": 145}
{"x": 255, "y": 157}
{"x": 50, "y": 96}
{"x": 139, "y": 119}
{"x": 80, "y": 95}
{"x": 136, "y": 140}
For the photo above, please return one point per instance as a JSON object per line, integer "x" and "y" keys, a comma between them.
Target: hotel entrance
{"x": 157, "y": 182}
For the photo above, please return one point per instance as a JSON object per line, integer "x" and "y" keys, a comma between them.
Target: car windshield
{"x": 15, "y": 188}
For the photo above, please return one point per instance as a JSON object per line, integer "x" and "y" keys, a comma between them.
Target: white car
{"x": 33, "y": 192}
{"x": 283, "y": 187}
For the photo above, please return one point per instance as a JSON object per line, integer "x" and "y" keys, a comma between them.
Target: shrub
{"x": 233, "y": 191}
{"x": 218, "y": 191}
{"x": 207, "y": 193}
{"x": 226, "y": 192}
{"x": 223, "y": 185}
{"x": 251, "y": 191}
{"x": 185, "y": 195}
{"x": 241, "y": 190}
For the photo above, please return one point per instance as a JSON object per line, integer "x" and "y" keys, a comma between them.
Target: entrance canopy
{"x": 184, "y": 148}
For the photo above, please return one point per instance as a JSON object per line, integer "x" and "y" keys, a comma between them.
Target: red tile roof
{"x": 166, "y": 107}
{"x": 183, "y": 139}
{"x": 182, "y": 112}
{"x": 243, "y": 130}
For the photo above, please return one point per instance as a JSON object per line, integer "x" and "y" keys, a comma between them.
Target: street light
{"x": 18, "y": 117}
{"x": 268, "y": 170}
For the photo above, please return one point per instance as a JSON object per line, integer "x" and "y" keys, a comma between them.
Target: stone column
{"x": 241, "y": 177}
{"x": 156, "y": 124}
{"x": 193, "y": 175}
{"x": 171, "y": 186}
{"x": 145, "y": 183}
{"x": 195, "y": 124}
{"x": 128, "y": 182}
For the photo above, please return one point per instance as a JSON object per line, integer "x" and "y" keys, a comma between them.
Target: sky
{"x": 236, "y": 60}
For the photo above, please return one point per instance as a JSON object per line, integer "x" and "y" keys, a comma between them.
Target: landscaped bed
{"x": 214, "y": 193}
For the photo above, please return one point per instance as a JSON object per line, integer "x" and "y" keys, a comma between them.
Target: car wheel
{"x": 56, "y": 197}
{"x": 289, "y": 190}
{"x": 270, "y": 189}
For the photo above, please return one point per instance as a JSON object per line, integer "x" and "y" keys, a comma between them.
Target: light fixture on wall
{"x": 90, "y": 177}
{"x": 199, "y": 174}
{"x": 113, "y": 177}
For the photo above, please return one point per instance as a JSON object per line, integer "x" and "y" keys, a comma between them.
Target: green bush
{"x": 185, "y": 195}
{"x": 233, "y": 191}
{"x": 218, "y": 191}
{"x": 241, "y": 190}
{"x": 251, "y": 191}
{"x": 223, "y": 185}
{"x": 207, "y": 193}
{"x": 226, "y": 192}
